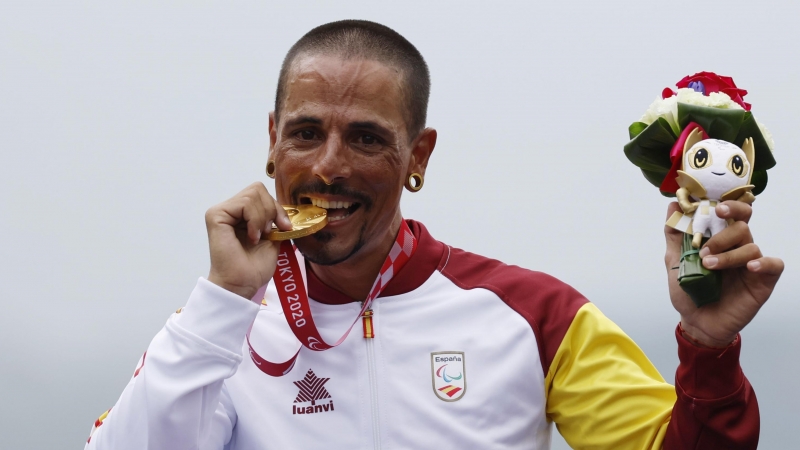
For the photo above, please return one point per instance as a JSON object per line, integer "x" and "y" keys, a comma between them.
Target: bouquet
{"x": 702, "y": 145}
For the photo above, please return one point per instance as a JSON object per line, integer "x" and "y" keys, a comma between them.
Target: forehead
{"x": 332, "y": 88}
{"x": 716, "y": 146}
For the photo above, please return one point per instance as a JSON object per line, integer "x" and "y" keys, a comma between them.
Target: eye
{"x": 700, "y": 159}
{"x": 368, "y": 142}
{"x": 305, "y": 135}
{"x": 368, "y": 139}
{"x": 736, "y": 165}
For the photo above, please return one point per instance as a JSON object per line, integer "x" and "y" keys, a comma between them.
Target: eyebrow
{"x": 303, "y": 120}
{"x": 364, "y": 125}
{"x": 368, "y": 125}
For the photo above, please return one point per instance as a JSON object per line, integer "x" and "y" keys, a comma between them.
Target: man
{"x": 458, "y": 351}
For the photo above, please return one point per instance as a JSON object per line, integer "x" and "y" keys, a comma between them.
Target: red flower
{"x": 708, "y": 82}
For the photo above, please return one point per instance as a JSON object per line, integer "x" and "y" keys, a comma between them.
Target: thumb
{"x": 673, "y": 237}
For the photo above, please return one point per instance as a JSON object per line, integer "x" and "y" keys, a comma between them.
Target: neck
{"x": 355, "y": 276}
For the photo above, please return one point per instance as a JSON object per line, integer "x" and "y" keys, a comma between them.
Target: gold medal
{"x": 306, "y": 220}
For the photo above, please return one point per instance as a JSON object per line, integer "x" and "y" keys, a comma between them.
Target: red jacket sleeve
{"x": 716, "y": 406}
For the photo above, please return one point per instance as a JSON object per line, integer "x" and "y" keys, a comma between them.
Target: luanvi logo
{"x": 312, "y": 388}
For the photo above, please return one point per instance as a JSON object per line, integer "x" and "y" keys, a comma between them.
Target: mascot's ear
{"x": 750, "y": 152}
{"x": 694, "y": 137}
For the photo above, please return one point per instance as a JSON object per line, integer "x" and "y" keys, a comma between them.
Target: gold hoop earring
{"x": 271, "y": 169}
{"x": 415, "y": 182}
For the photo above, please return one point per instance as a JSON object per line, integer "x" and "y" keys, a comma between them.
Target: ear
{"x": 750, "y": 152}
{"x": 421, "y": 151}
{"x": 273, "y": 133}
{"x": 694, "y": 137}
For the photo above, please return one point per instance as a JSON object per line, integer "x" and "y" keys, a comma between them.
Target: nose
{"x": 331, "y": 162}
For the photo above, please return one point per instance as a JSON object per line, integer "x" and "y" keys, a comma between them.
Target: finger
{"x": 734, "y": 258}
{"x": 235, "y": 213}
{"x": 673, "y": 237}
{"x": 282, "y": 219}
{"x": 253, "y": 213}
{"x": 735, "y": 235}
{"x": 672, "y": 208}
{"x": 766, "y": 265}
{"x": 266, "y": 203}
{"x": 672, "y": 233}
{"x": 735, "y": 210}
{"x": 274, "y": 211}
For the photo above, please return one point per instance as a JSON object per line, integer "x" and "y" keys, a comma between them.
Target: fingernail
{"x": 710, "y": 262}
{"x": 724, "y": 209}
{"x": 754, "y": 265}
{"x": 258, "y": 236}
{"x": 704, "y": 252}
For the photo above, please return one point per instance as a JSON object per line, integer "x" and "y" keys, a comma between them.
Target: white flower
{"x": 661, "y": 108}
{"x": 668, "y": 107}
{"x": 767, "y": 136}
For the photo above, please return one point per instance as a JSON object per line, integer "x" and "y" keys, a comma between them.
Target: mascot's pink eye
{"x": 700, "y": 158}
{"x": 737, "y": 165}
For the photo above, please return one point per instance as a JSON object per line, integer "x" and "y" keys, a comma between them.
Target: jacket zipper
{"x": 369, "y": 339}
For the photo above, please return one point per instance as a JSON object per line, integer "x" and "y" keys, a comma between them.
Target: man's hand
{"x": 241, "y": 261}
{"x": 748, "y": 278}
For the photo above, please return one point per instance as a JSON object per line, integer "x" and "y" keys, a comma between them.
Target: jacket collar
{"x": 417, "y": 270}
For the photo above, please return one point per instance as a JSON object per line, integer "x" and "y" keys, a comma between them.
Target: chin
{"x": 327, "y": 249}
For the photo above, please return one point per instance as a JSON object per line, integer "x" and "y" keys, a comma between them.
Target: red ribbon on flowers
{"x": 670, "y": 184}
{"x": 294, "y": 299}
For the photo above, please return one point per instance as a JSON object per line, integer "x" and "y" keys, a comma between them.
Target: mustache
{"x": 316, "y": 186}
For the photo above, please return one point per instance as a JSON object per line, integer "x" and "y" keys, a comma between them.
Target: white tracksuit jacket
{"x": 528, "y": 350}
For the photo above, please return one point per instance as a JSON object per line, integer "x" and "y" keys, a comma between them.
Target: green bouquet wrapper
{"x": 703, "y": 286}
{"x": 650, "y": 145}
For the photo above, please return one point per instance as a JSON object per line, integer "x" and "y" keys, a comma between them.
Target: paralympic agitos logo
{"x": 449, "y": 375}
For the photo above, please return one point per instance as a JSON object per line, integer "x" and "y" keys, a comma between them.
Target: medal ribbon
{"x": 294, "y": 299}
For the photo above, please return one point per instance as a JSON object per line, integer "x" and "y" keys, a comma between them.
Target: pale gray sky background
{"x": 122, "y": 122}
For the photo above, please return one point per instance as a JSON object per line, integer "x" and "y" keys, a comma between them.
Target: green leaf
{"x": 636, "y": 128}
{"x": 655, "y": 177}
{"x": 759, "y": 179}
{"x": 649, "y": 150}
{"x": 702, "y": 285}
{"x": 764, "y": 157}
{"x": 722, "y": 124}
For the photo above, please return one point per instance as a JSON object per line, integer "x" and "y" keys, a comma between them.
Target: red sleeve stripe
{"x": 97, "y": 424}
{"x": 545, "y": 302}
{"x": 141, "y": 366}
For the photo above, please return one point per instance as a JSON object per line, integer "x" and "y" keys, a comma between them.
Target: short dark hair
{"x": 368, "y": 40}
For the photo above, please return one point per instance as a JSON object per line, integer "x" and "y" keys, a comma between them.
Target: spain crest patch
{"x": 449, "y": 375}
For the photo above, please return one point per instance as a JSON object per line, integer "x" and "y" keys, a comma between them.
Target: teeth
{"x": 318, "y": 202}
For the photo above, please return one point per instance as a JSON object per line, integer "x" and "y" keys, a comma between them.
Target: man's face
{"x": 342, "y": 144}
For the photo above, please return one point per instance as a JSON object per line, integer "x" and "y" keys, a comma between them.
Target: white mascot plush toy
{"x": 712, "y": 171}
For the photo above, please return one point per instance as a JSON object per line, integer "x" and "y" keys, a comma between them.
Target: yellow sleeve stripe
{"x": 602, "y": 391}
